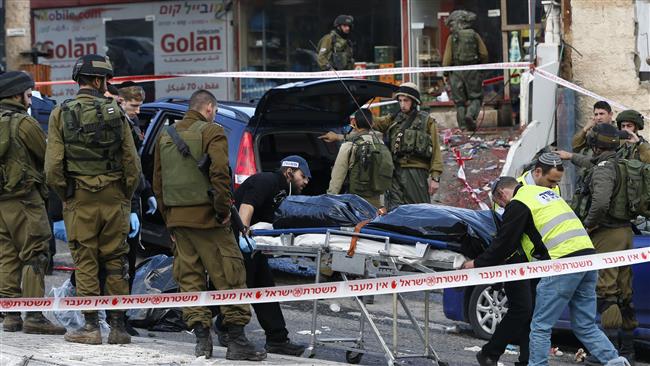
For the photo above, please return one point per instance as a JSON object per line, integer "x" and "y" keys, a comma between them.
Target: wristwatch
{"x": 436, "y": 179}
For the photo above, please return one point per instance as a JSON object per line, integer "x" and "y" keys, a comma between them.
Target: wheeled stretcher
{"x": 369, "y": 255}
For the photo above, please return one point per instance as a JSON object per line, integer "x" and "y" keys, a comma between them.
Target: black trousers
{"x": 269, "y": 315}
{"x": 514, "y": 328}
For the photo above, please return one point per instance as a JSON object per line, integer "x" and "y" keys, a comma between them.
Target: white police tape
{"x": 375, "y": 286}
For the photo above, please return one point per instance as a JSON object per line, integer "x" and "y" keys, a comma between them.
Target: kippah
{"x": 550, "y": 158}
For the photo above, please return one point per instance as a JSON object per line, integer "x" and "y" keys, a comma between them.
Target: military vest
{"x": 561, "y": 230}
{"x": 371, "y": 173}
{"x": 409, "y": 138}
{"x": 184, "y": 184}
{"x": 92, "y": 134}
{"x": 16, "y": 167}
{"x": 341, "y": 56}
{"x": 464, "y": 47}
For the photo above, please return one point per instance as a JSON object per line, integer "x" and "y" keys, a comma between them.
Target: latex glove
{"x": 243, "y": 245}
{"x": 58, "y": 228}
{"x": 153, "y": 205}
{"x": 135, "y": 225}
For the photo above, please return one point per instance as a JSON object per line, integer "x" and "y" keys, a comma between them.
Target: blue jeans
{"x": 578, "y": 290}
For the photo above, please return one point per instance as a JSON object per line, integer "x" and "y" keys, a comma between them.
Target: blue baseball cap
{"x": 298, "y": 162}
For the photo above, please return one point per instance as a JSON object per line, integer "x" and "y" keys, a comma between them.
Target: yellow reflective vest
{"x": 561, "y": 231}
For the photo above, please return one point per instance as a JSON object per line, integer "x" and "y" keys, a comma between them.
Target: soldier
{"x": 635, "y": 146}
{"x": 348, "y": 161}
{"x": 465, "y": 47}
{"x": 413, "y": 141}
{"x": 335, "y": 49}
{"x": 595, "y": 202}
{"x": 199, "y": 221}
{"x": 602, "y": 114}
{"x": 92, "y": 165}
{"x": 24, "y": 227}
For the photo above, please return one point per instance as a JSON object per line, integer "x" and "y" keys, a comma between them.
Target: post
{"x": 18, "y": 33}
{"x": 531, "y": 36}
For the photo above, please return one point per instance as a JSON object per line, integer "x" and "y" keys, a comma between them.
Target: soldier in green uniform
{"x": 602, "y": 114}
{"x": 24, "y": 227}
{"x": 92, "y": 165}
{"x": 199, "y": 221}
{"x": 635, "y": 146}
{"x": 335, "y": 49}
{"x": 597, "y": 204}
{"x": 415, "y": 146}
{"x": 465, "y": 47}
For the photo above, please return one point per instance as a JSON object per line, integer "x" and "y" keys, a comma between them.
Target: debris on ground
{"x": 580, "y": 356}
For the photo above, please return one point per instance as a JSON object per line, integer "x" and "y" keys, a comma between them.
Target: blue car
{"x": 484, "y": 306}
{"x": 287, "y": 120}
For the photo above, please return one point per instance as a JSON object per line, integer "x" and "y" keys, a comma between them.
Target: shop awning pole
{"x": 531, "y": 36}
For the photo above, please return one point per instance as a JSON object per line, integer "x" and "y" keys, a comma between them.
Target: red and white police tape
{"x": 310, "y": 75}
{"x": 330, "y": 290}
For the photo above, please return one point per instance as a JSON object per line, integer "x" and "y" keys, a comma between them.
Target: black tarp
{"x": 322, "y": 211}
{"x": 473, "y": 229}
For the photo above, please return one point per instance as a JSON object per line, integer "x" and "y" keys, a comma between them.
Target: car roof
{"x": 235, "y": 110}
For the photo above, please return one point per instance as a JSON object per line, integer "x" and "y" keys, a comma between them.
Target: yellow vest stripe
{"x": 558, "y": 220}
{"x": 571, "y": 234}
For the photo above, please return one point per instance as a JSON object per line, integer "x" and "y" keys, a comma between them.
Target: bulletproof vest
{"x": 464, "y": 46}
{"x": 92, "y": 134}
{"x": 16, "y": 167}
{"x": 184, "y": 184}
{"x": 410, "y": 139}
{"x": 372, "y": 171}
{"x": 341, "y": 52}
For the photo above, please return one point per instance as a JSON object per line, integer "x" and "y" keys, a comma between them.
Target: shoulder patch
{"x": 602, "y": 163}
{"x": 323, "y": 50}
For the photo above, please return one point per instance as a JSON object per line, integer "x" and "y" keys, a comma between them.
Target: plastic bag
{"x": 154, "y": 276}
{"x": 472, "y": 229}
{"x": 326, "y": 210}
{"x": 74, "y": 319}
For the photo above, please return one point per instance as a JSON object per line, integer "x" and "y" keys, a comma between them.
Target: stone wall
{"x": 604, "y": 32}
{"x": 17, "y": 15}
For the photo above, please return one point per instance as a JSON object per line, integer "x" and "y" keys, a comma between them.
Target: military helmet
{"x": 344, "y": 20}
{"x": 630, "y": 115}
{"x": 14, "y": 83}
{"x": 92, "y": 65}
{"x": 409, "y": 90}
{"x": 604, "y": 136}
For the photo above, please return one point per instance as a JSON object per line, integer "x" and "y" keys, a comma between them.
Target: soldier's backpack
{"x": 15, "y": 169}
{"x": 464, "y": 47}
{"x": 372, "y": 171}
{"x": 631, "y": 196}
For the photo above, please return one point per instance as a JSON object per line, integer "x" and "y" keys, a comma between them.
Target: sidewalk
{"x": 19, "y": 349}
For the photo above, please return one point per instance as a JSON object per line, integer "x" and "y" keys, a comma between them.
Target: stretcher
{"x": 372, "y": 255}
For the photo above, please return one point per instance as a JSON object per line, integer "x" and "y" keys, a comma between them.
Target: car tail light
{"x": 246, "y": 165}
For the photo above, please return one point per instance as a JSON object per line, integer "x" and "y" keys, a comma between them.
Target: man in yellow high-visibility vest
{"x": 539, "y": 225}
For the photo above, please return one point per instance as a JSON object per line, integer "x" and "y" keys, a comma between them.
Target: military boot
{"x": 36, "y": 323}
{"x": 203, "y": 341}
{"x": 627, "y": 346}
{"x": 88, "y": 334}
{"x": 285, "y": 348}
{"x": 240, "y": 348}
{"x": 118, "y": 334}
{"x": 12, "y": 323}
{"x": 222, "y": 336}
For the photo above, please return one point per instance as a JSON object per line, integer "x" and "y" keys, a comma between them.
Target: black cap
{"x": 14, "y": 83}
{"x": 126, "y": 84}
{"x": 92, "y": 65}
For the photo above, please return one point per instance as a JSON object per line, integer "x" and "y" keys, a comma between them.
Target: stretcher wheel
{"x": 353, "y": 357}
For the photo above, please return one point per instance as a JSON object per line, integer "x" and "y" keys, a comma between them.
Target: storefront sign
{"x": 161, "y": 38}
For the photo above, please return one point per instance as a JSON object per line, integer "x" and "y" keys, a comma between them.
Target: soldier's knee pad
{"x": 610, "y": 314}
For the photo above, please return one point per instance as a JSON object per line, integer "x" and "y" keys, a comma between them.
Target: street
{"x": 453, "y": 341}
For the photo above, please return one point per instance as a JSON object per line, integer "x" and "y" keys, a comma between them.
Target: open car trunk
{"x": 275, "y": 145}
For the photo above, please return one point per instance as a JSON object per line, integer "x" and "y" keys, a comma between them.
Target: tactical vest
{"x": 92, "y": 134}
{"x": 561, "y": 230}
{"x": 16, "y": 167}
{"x": 341, "y": 55}
{"x": 184, "y": 184}
{"x": 411, "y": 139}
{"x": 464, "y": 47}
{"x": 371, "y": 173}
